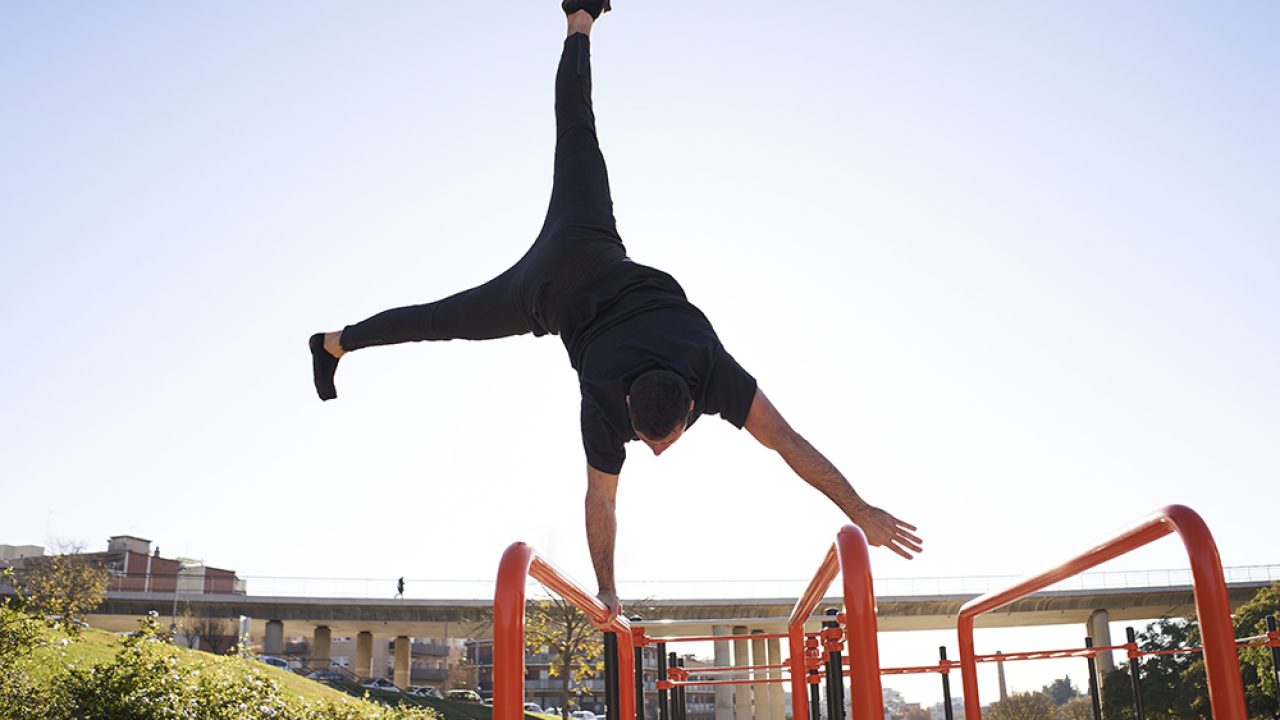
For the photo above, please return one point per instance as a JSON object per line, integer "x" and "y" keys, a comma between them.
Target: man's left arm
{"x": 767, "y": 425}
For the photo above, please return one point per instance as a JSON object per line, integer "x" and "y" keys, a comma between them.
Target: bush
{"x": 149, "y": 679}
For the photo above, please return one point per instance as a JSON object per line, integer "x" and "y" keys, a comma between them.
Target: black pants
{"x": 578, "y": 239}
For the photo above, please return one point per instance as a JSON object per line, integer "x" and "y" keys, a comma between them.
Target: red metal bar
{"x": 713, "y": 638}
{"x": 865, "y": 696}
{"x": 1213, "y": 608}
{"x": 668, "y": 684}
{"x": 519, "y": 563}
{"x": 737, "y": 668}
{"x": 795, "y": 632}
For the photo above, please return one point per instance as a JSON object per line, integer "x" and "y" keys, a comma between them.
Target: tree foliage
{"x": 1060, "y": 690}
{"x": 560, "y": 629}
{"x": 1079, "y": 707}
{"x": 63, "y": 587}
{"x": 1023, "y": 706}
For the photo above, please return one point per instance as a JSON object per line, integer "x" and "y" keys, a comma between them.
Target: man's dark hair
{"x": 659, "y": 402}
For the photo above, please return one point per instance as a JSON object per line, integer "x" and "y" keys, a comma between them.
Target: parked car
{"x": 276, "y": 662}
{"x": 424, "y": 691}
{"x": 532, "y": 707}
{"x": 325, "y": 675}
{"x": 464, "y": 696}
{"x": 601, "y": 716}
{"x": 380, "y": 684}
{"x": 582, "y": 715}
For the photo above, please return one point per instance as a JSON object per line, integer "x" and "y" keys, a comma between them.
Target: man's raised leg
{"x": 486, "y": 312}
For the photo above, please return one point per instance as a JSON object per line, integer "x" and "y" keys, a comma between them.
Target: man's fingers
{"x": 899, "y": 550}
{"x": 904, "y": 525}
{"x": 909, "y": 536}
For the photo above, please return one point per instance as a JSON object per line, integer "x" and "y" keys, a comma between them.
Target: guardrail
{"x": 1213, "y": 607}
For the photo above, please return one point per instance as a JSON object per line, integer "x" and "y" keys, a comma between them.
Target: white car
{"x": 582, "y": 715}
{"x": 276, "y": 662}
{"x": 532, "y": 707}
{"x": 380, "y": 684}
{"x": 423, "y": 691}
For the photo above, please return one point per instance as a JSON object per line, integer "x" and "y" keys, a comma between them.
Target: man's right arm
{"x": 602, "y": 529}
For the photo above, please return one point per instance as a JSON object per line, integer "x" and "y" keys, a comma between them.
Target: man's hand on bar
{"x": 610, "y": 600}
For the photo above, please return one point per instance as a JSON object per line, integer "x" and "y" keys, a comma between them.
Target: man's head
{"x": 659, "y": 404}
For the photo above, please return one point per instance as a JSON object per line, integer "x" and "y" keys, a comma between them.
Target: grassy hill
{"x": 99, "y": 675}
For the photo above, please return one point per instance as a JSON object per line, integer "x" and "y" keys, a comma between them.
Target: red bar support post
{"x": 1213, "y": 607}
{"x": 863, "y": 646}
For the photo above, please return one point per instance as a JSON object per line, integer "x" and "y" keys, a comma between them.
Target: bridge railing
{"x": 519, "y": 563}
{"x": 1213, "y": 607}
{"x": 458, "y": 589}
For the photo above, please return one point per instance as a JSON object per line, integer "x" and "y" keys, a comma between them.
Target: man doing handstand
{"x": 648, "y": 362}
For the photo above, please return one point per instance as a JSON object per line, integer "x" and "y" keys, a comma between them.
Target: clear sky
{"x": 1011, "y": 266}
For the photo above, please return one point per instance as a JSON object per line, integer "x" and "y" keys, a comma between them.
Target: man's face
{"x": 660, "y": 445}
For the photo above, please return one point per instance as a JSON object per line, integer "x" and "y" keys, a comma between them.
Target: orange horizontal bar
{"x": 736, "y": 668}
{"x": 646, "y": 640}
{"x": 668, "y": 684}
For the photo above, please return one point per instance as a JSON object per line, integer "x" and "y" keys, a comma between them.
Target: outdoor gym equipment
{"x": 819, "y": 657}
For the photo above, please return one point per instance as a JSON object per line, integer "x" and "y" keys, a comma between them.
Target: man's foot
{"x": 323, "y": 366}
{"x": 594, "y": 8}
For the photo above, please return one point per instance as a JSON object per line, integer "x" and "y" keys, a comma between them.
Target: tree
{"x": 560, "y": 629}
{"x": 63, "y": 587}
{"x": 1022, "y": 706}
{"x": 1079, "y": 707}
{"x": 1117, "y": 695}
{"x": 1060, "y": 690}
{"x": 211, "y": 634}
{"x": 1255, "y": 663}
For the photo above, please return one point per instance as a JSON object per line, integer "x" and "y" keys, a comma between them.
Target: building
{"x": 17, "y": 552}
{"x": 133, "y": 566}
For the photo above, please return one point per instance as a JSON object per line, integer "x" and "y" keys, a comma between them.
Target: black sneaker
{"x": 594, "y": 8}
{"x": 323, "y": 366}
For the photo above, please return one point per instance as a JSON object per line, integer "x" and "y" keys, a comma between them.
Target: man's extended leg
{"x": 482, "y": 313}
{"x": 580, "y": 192}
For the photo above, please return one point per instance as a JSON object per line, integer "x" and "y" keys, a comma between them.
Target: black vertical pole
{"x": 639, "y": 668}
{"x": 639, "y": 683}
{"x": 1093, "y": 682}
{"x": 815, "y": 699}
{"x": 1275, "y": 661}
{"x": 946, "y": 685}
{"x": 681, "y": 701}
{"x": 1135, "y": 673}
{"x": 664, "y": 713}
{"x": 835, "y": 675}
{"x": 610, "y": 676}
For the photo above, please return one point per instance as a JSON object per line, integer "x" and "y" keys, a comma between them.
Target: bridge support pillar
{"x": 741, "y": 658}
{"x": 273, "y": 639}
{"x": 364, "y": 655}
{"x": 321, "y": 647}
{"x": 777, "y": 701}
{"x": 401, "y": 675}
{"x": 724, "y": 693}
{"x": 1099, "y": 628}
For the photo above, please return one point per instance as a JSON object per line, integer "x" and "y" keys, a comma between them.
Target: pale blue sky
{"x": 1011, "y": 266}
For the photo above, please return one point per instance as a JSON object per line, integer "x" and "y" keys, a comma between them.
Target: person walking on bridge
{"x": 649, "y": 363}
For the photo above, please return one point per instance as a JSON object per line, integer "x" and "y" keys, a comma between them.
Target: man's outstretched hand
{"x": 885, "y": 530}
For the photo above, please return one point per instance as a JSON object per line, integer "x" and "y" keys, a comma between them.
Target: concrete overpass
{"x": 319, "y": 618}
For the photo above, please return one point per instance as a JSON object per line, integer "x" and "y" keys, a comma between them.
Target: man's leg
{"x": 580, "y": 192}
{"x": 485, "y": 312}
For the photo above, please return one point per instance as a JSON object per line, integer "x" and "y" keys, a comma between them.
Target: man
{"x": 648, "y": 362}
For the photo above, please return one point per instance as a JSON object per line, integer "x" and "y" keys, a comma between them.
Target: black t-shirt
{"x": 630, "y": 319}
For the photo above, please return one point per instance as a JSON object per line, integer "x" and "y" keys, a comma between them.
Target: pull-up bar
{"x": 1222, "y": 666}
{"x": 519, "y": 563}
